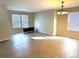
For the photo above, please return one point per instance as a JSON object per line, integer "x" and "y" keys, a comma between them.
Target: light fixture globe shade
{"x": 62, "y": 12}
{"x": 58, "y": 13}
{"x": 66, "y": 12}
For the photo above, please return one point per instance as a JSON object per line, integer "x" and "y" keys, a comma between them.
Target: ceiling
{"x": 37, "y": 5}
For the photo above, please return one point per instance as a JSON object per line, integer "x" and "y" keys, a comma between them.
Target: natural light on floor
{"x": 50, "y": 37}
{"x": 69, "y": 45}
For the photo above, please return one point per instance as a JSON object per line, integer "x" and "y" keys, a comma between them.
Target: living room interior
{"x": 39, "y": 28}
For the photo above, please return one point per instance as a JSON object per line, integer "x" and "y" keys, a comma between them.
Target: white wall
{"x": 44, "y": 21}
{"x": 4, "y": 23}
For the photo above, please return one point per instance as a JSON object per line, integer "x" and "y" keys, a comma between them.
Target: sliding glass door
{"x": 19, "y": 21}
{"x": 24, "y": 21}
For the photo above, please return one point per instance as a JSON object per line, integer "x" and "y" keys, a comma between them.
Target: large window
{"x": 24, "y": 21}
{"x": 19, "y": 21}
{"x": 16, "y": 21}
{"x": 73, "y": 21}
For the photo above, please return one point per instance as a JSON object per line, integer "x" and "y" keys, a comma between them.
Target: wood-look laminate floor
{"x": 24, "y": 46}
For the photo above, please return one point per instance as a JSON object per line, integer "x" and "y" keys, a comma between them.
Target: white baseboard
{"x": 46, "y": 33}
{"x": 4, "y": 39}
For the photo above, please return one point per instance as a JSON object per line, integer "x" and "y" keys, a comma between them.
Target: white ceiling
{"x": 37, "y": 5}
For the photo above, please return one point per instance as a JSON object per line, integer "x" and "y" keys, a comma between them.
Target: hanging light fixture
{"x": 62, "y": 11}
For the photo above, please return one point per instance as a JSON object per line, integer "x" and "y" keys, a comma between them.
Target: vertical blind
{"x": 19, "y": 21}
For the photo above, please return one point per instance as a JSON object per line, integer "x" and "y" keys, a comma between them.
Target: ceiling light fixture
{"x": 62, "y": 11}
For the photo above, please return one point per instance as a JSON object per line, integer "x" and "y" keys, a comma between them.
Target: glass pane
{"x": 16, "y": 21}
{"x": 24, "y": 21}
{"x": 73, "y": 21}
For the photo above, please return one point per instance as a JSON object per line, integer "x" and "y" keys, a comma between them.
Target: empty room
{"x": 39, "y": 28}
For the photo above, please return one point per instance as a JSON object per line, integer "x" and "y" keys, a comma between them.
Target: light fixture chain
{"x": 62, "y": 5}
